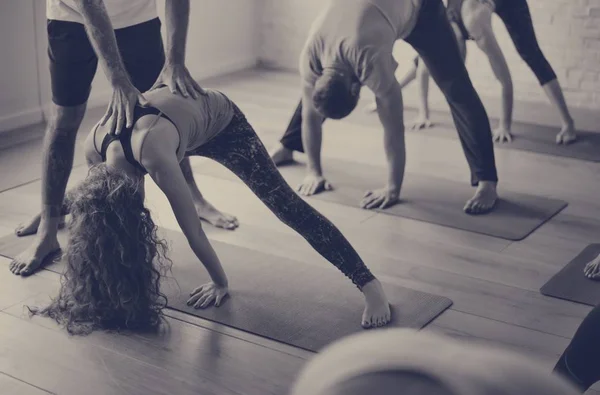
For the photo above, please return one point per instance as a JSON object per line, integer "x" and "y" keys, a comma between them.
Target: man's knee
{"x": 67, "y": 120}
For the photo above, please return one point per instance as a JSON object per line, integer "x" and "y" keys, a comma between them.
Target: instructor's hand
{"x": 178, "y": 79}
{"x": 313, "y": 184}
{"x": 380, "y": 198}
{"x": 206, "y": 294}
{"x": 120, "y": 109}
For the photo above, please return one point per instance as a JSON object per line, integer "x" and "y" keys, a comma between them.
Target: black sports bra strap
{"x": 125, "y": 136}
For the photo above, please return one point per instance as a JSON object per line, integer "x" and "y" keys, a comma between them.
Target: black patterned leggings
{"x": 240, "y": 150}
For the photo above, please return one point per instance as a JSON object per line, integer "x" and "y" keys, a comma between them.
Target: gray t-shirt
{"x": 360, "y": 35}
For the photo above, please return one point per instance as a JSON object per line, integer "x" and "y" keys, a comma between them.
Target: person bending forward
{"x": 350, "y": 45}
{"x": 472, "y": 20}
{"x": 168, "y": 130}
{"x": 125, "y": 36}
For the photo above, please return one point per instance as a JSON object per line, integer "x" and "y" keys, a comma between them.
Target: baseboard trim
{"x": 20, "y": 120}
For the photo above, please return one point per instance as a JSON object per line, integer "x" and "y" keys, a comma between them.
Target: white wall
{"x": 220, "y": 40}
{"x": 568, "y": 32}
{"x": 19, "y": 85}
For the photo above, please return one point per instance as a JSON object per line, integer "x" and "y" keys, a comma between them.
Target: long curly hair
{"x": 114, "y": 258}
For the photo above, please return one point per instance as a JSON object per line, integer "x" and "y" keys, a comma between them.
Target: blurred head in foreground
{"x": 407, "y": 362}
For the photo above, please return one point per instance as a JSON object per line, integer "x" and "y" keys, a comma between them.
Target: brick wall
{"x": 568, "y": 32}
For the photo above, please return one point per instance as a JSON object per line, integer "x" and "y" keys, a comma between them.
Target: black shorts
{"x": 73, "y": 62}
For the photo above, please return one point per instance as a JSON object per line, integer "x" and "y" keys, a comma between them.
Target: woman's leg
{"x": 580, "y": 363}
{"x": 240, "y": 150}
{"x": 517, "y": 19}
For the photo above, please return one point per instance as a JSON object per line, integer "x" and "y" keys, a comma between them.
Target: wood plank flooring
{"x": 494, "y": 283}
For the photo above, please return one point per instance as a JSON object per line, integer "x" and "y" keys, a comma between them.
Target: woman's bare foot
{"x": 31, "y": 259}
{"x": 566, "y": 135}
{"x": 484, "y": 200}
{"x": 31, "y": 228}
{"x": 281, "y": 155}
{"x": 592, "y": 269}
{"x": 377, "y": 308}
{"x": 210, "y": 214}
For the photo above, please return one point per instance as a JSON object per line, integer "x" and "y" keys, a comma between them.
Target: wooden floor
{"x": 494, "y": 283}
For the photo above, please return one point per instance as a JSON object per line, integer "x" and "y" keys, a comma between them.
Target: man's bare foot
{"x": 566, "y": 135}
{"x": 371, "y": 107}
{"x": 592, "y": 269}
{"x": 31, "y": 228}
{"x": 31, "y": 259}
{"x": 484, "y": 200}
{"x": 210, "y": 214}
{"x": 377, "y": 308}
{"x": 281, "y": 155}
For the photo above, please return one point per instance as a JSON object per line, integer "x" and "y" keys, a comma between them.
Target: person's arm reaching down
{"x": 312, "y": 129}
{"x": 161, "y": 163}
{"x": 175, "y": 74}
{"x": 125, "y": 95}
{"x": 390, "y": 111}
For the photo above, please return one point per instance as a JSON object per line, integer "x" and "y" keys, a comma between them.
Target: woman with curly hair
{"x": 111, "y": 280}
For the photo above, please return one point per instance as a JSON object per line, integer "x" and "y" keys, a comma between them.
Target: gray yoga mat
{"x": 424, "y": 198}
{"x": 307, "y": 305}
{"x": 571, "y": 284}
{"x": 526, "y": 137}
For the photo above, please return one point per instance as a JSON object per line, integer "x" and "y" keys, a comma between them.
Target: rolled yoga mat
{"x": 571, "y": 284}
{"x": 306, "y": 305}
{"x": 424, "y": 198}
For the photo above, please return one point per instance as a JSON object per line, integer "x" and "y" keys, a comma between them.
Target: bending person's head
{"x": 336, "y": 94}
{"x": 114, "y": 258}
{"x": 407, "y": 362}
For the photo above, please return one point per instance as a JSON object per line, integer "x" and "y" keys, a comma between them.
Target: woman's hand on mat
{"x": 380, "y": 198}
{"x": 206, "y": 294}
{"x": 120, "y": 109}
{"x": 421, "y": 122}
{"x": 179, "y": 81}
{"x": 592, "y": 269}
{"x": 313, "y": 184}
{"x": 502, "y": 135}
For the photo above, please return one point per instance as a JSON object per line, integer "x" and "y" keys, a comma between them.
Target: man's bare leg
{"x": 204, "y": 208}
{"x": 58, "y": 153}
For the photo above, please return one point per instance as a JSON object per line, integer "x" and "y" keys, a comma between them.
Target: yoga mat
{"x": 571, "y": 284}
{"x": 425, "y": 198}
{"x": 307, "y": 305}
{"x": 526, "y": 137}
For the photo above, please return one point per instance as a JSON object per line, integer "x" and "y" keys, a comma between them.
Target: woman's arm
{"x": 165, "y": 171}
